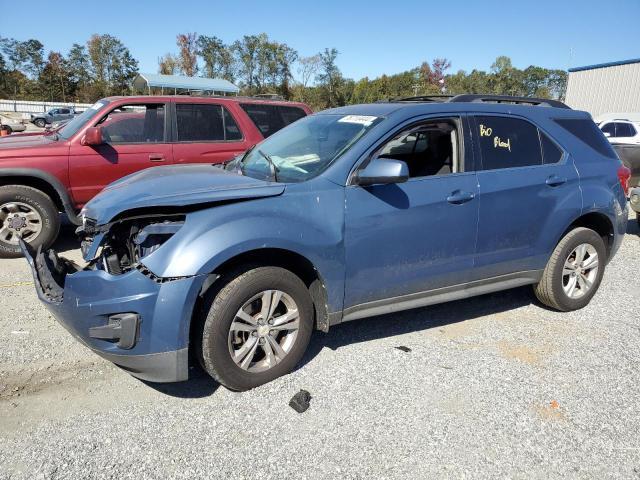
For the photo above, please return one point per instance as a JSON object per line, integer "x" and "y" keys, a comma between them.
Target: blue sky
{"x": 372, "y": 37}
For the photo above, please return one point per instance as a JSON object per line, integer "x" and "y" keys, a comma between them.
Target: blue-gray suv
{"x": 349, "y": 213}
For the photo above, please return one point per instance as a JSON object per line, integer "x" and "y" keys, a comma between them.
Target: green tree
{"x": 329, "y": 77}
{"x": 247, "y": 52}
{"x": 112, "y": 66}
{"x": 79, "y": 71}
{"x": 217, "y": 57}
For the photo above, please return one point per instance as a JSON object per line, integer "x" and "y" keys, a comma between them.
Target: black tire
{"x": 550, "y": 290}
{"x": 44, "y": 206}
{"x": 8, "y": 129}
{"x": 40, "y": 122}
{"x": 243, "y": 285}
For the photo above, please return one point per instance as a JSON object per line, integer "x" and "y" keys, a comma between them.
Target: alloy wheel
{"x": 264, "y": 331}
{"x": 580, "y": 271}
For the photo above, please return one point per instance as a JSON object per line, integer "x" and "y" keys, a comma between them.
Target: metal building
{"x": 605, "y": 88}
{"x": 173, "y": 83}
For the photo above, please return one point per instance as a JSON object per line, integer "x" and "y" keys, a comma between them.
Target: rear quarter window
{"x": 271, "y": 118}
{"x": 588, "y": 132}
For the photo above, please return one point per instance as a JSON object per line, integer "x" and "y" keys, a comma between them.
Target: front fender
{"x": 304, "y": 220}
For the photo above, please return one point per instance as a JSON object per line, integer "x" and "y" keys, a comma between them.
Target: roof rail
{"x": 538, "y": 102}
{"x": 424, "y": 98}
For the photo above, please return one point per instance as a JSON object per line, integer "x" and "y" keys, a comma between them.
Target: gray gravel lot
{"x": 494, "y": 386}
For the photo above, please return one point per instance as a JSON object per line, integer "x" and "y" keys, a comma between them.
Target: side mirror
{"x": 93, "y": 136}
{"x": 382, "y": 171}
{"x": 607, "y": 134}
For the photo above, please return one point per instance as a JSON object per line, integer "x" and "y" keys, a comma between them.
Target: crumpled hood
{"x": 180, "y": 185}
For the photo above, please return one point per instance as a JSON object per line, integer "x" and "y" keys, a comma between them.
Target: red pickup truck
{"x": 42, "y": 175}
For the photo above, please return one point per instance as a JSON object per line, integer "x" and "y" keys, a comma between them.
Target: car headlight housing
{"x": 127, "y": 243}
{"x": 151, "y": 237}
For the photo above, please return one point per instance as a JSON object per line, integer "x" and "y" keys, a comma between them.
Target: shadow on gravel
{"x": 67, "y": 239}
{"x": 199, "y": 385}
{"x": 633, "y": 227}
{"x": 416, "y": 320}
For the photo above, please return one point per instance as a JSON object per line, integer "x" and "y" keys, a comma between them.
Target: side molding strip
{"x": 441, "y": 295}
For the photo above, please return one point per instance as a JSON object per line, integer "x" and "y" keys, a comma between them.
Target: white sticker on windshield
{"x": 365, "y": 120}
{"x": 97, "y": 106}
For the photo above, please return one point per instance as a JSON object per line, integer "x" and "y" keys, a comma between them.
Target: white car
{"x": 621, "y": 131}
{"x": 11, "y": 125}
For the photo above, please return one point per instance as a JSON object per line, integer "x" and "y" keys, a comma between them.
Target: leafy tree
{"x": 247, "y": 52}
{"x": 188, "y": 53}
{"x": 79, "y": 71}
{"x": 329, "y": 76}
{"x": 218, "y": 57}
{"x": 167, "y": 64}
{"x": 54, "y": 80}
{"x": 112, "y": 66}
{"x": 308, "y": 68}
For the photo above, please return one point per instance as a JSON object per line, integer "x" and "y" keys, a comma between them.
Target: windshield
{"x": 72, "y": 127}
{"x": 306, "y": 147}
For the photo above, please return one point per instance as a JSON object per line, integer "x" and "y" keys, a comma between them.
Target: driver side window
{"x": 138, "y": 123}
{"x": 428, "y": 149}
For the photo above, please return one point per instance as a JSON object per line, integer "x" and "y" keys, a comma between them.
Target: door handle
{"x": 457, "y": 197}
{"x": 156, "y": 157}
{"x": 554, "y": 181}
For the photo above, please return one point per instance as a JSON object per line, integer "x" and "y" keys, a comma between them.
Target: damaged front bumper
{"x": 135, "y": 320}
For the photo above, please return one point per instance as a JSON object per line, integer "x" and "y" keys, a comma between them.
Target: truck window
{"x": 205, "y": 123}
{"x": 134, "y": 124}
{"x": 271, "y": 118}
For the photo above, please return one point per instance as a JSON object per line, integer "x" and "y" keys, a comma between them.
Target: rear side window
{"x": 624, "y": 130}
{"x": 291, "y": 114}
{"x": 271, "y": 118}
{"x": 205, "y": 123}
{"x": 507, "y": 143}
{"x": 588, "y": 132}
{"x": 551, "y": 153}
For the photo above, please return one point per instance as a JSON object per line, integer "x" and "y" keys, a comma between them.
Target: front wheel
{"x": 28, "y": 213}
{"x": 40, "y": 122}
{"x": 574, "y": 271}
{"x": 257, "y": 328}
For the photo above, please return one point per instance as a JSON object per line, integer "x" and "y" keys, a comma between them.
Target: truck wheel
{"x": 40, "y": 122}
{"x": 257, "y": 328}
{"x": 574, "y": 271}
{"x": 28, "y": 213}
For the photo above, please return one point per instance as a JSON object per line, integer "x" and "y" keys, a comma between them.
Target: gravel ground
{"x": 494, "y": 386}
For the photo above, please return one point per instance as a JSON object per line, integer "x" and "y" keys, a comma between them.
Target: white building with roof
{"x": 605, "y": 88}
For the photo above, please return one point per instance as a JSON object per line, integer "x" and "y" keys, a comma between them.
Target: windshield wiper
{"x": 274, "y": 169}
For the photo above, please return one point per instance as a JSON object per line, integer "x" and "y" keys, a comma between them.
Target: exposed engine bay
{"x": 126, "y": 243}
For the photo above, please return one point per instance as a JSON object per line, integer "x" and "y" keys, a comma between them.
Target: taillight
{"x": 624, "y": 174}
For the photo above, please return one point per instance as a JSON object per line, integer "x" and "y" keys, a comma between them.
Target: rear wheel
{"x": 28, "y": 213}
{"x": 574, "y": 271}
{"x": 257, "y": 329}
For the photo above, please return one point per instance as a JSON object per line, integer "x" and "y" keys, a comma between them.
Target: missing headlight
{"x": 128, "y": 242}
{"x": 151, "y": 237}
